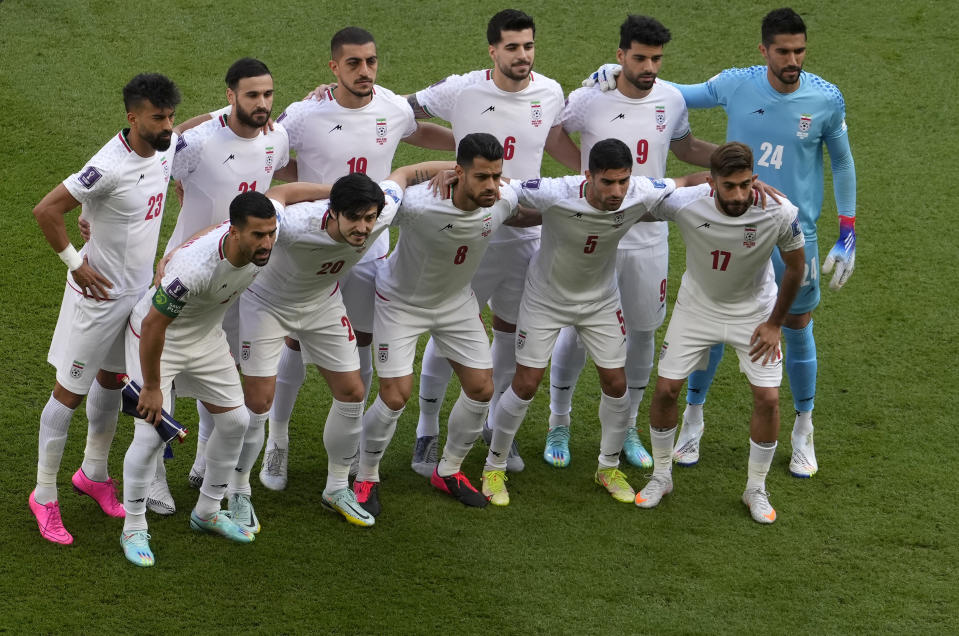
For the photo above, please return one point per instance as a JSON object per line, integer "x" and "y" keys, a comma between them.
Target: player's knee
{"x": 108, "y": 380}
{"x": 614, "y": 387}
{"x": 393, "y": 394}
{"x": 351, "y": 392}
{"x": 66, "y": 397}
{"x": 482, "y": 392}
{"x": 666, "y": 392}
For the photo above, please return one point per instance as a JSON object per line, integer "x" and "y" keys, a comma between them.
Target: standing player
{"x": 425, "y": 286}
{"x": 356, "y": 127}
{"x": 123, "y": 190}
{"x": 175, "y": 334}
{"x": 785, "y": 115}
{"x": 728, "y": 294}
{"x": 299, "y": 294}
{"x": 650, "y": 118}
{"x": 214, "y": 162}
{"x": 572, "y": 282}
{"x": 522, "y": 110}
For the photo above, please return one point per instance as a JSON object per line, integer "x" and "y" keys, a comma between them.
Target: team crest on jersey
{"x": 245, "y": 350}
{"x": 487, "y": 225}
{"x": 381, "y": 130}
{"x": 662, "y": 351}
{"x": 618, "y": 220}
{"x": 520, "y": 339}
{"x": 805, "y": 123}
{"x": 268, "y": 167}
{"x": 536, "y": 114}
{"x": 165, "y": 165}
{"x": 89, "y": 176}
{"x": 77, "y": 369}
{"x": 660, "y": 118}
{"x": 383, "y": 353}
{"x": 749, "y": 236}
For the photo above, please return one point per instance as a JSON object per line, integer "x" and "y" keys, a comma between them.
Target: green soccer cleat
{"x": 614, "y": 481}
{"x": 494, "y": 487}
{"x": 221, "y": 523}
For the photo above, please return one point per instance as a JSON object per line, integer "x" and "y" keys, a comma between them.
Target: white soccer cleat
{"x": 159, "y": 498}
{"x": 686, "y": 450}
{"x": 657, "y": 488}
{"x": 757, "y": 500}
{"x": 273, "y": 471}
{"x": 803, "y": 463}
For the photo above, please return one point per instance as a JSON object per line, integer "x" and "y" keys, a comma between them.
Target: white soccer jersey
{"x": 728, "y": 271}
{"x": 647, "y": 126}
{"x": 215, "y": 165}
{"x": 123, "y": 197}
{"x": 332, "y": 141}
{"x": 439, "y": 248}
{"x": 307, "y": 264}
{"x": 199, "y": 285}
{"x": 520, "y": 121}
{"x": 576, "y": 261}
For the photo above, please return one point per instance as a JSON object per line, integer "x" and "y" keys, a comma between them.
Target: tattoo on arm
{"x": 419, "y": 176}
{"x": 418, "y": 111}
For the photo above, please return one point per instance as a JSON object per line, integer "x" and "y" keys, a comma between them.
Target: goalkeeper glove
{"x": 843, "y": 253}
{"x": 605, "y": 76}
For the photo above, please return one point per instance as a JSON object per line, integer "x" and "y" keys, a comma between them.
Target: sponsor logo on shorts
{"x": 749, "y": 237}
{"x": 520, "y": 339}
{"x": 381, "y": 130}
{"x": 245, "y": 350}
{"x": 536, "y": 114}
{"x": 77, "y": 369}
{"x": 89, "y": 176}
{"x": 662, "y": 351}
{"x": 177, "y": 289}
{"x": 383, "y": 353}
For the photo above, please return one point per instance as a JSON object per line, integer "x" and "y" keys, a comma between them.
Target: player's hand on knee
{"x": 604, "y": 77}
{"x": 92, "y": 283}
{"x": 765, "y": 190}
{"x": 765, "y": 344}
{"x": 843, "y": 253}
{"x": 318, "y": 93}
{"x": 84, "y": 226}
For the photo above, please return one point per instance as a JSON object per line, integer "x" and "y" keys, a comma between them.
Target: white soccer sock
{"x": 222, "y": 457}
{"x": 614, "y": 420}
{"x": 465, "y": 425}
{"x": 366, "y": 370}
{"x": 54, "y": 424}
{"x": 103, "y": 409}
{"x": 760, "y": 459}
{"x": 379, "y": 424}
{"x": 503, "y": 352}
{"x": 435, "y": 374}
{"x": 289, "y": 379}
{"x": 640, "y": 349}
{"x": 569, "y": 358}
{"x": 803, "y": 425}
{"x": 662, "y": 446}
{"x": 139, "y": 467}
{"x": 205, "y": 428}
{"x": 509, "y": 416}
{"x": 693, "y": 414}
{"x": 252, "y": 445}
{"x": 341, "y": 437}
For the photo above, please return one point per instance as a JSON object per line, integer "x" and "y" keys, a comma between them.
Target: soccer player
{"x": 355, "y": 127}
{"x": 175, "y": 334}
{"x": 785, "y": 115}
{"x": 572, "y": 282}
{"x": 425, "y": 286}
{"x": 728, "y": 294}
{"x": 122, "y": 189}
{"x": 649, "y": 116}
{"x": 299, "y": 294}
{"x": 214, "y": 162}
{"x": 522, "y": 110}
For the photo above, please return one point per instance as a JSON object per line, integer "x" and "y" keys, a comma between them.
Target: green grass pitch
{"x": 868, "y": 545}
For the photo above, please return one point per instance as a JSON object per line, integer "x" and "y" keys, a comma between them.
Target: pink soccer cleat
{"x": 49, "y": 521}
{"x": 102, "y": 492}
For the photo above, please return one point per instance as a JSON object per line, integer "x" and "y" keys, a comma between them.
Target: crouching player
{"x": 728, "y": 295}
{"x": 175, "y": 333}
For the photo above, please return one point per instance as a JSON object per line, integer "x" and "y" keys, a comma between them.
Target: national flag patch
{"x": 536, "y": 114}
{"x": 520, "y": 339}
{"x": 383, "y": 353}
{"x": 76, "y": 370}
{"x": 245, "y": 350}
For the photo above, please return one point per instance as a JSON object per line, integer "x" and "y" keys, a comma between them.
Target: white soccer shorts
{"x": 688, "y": 339}
{"x": 641, "y": 276}
{"x": 325, "y": 334}
{"x": 456, "y": 327}
{"x": 359, "y": 289}
{"x": 501, "y": 277}
{"x": 600, "y": 325}
{"x": 88, "y": 337}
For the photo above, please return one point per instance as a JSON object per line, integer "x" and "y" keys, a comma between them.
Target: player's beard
{"x": 160, "y": 141}
{"x": 361, "y": 92}
{"x": 731, "y": 207}
{"x": 643, "y": 83}
{"x": 248, "y": 118}
{"x": 781, "y": 74}
{"x": 516, "y": 76}
{"x": 261, "y": 257}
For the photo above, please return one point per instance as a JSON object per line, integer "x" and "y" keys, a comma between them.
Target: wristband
{"x": 70, "y": 257}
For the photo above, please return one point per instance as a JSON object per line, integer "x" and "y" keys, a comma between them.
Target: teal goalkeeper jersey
{"x": 786, "y": 133}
